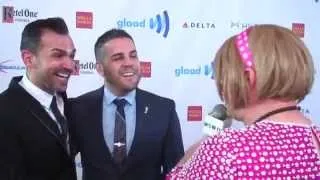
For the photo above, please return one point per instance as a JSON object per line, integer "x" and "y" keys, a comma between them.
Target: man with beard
{"x": 33, "y": 127}
{"x": 121, "y": 131}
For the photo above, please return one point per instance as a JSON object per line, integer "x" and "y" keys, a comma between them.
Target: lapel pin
{"x": 146, "y": 109}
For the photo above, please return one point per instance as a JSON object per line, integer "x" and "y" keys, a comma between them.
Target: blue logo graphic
{"x": 4, "y": 67}
{"x": 205, "y": 70}
{"x": 157, "y": 22}
{"x": 160, "y": 24}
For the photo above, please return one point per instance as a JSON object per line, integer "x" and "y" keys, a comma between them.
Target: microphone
{"x": 214, "y": 121}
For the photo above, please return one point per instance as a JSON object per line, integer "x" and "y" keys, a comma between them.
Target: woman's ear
{"x": 251, "y": 77}
{"x": 252, "y": 83}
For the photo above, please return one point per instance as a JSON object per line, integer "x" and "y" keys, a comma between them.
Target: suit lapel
{"x": 35, "y": 109}
{"x": 96, "y": 123}
{"x": 43, "y": 117}
{"x": 141, "y": 104}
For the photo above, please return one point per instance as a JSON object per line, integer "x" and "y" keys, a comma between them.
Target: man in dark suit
{"x": 121, "y": 131}
{"x": 33, "y": 129}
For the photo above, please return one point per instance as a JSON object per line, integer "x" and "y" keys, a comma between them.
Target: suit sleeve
{"x": 173, "y": 149}
{"x": 11, "y": 161}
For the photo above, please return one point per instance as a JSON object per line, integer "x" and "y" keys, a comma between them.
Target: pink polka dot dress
{"x": 266, "y": 150}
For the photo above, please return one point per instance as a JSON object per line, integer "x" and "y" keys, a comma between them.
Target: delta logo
{"x": 5, "y": 67}
{"x": 306, "y": 111}
{"x": 200, "y": 70}
{"x": 83, "y": 68}
{"x": 10, "y": 14}
{"x": 161, "y": 24}
{"x": 84, "y": 20}
{"x": 194, "y": 113}
{"x": 198, "y": 25}
{"x": 298, "y": 29}
{"x": 145, "y": 69}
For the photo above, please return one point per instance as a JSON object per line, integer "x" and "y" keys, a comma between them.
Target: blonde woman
{"x": 261, "y": 75}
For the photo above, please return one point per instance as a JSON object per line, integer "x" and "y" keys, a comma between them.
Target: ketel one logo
{"x": 160, "y": 24}
{"x": 83, "y": 68}
{"x": 9, "y": 14}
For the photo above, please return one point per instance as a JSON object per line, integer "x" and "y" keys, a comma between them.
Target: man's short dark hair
{"x": 107, "y": 36}
{"x": 32, "y": 32}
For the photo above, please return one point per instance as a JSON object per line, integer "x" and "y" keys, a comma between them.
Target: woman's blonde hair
{"x": 283, "y": 66}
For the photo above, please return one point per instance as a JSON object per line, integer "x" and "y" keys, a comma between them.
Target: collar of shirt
{"x": 43, "y": 97}
{"x": 109, "y": 96}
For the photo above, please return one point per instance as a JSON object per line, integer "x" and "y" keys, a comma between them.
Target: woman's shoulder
{"x": 257, "y": 133}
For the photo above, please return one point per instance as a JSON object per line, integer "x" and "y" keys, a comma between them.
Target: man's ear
{"x": 27, "y": 57}
{"x": 99, "y": 68}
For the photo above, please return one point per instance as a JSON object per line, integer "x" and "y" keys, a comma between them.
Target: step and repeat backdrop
{"x": 176, "y": 42}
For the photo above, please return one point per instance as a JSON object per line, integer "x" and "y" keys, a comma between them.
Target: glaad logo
{"x": 160, "y": 24}
{"x": 208, "y": 70}
{"x": 187, "y": 71}
{"x": 205, "y": 70}
{"x": 4, "y": 67}
{"x": 10, "y": 14}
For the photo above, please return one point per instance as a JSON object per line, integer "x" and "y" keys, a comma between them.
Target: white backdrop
{"x": 179, "y": 59}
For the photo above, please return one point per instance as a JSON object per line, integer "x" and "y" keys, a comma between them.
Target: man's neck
{"x": 117, "y": 92}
